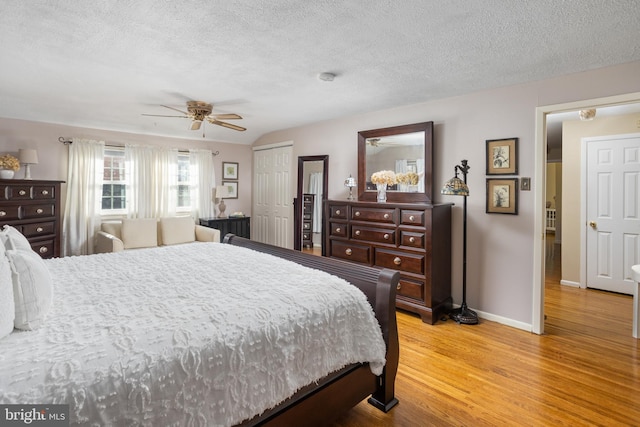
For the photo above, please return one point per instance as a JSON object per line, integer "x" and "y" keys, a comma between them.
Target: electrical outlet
{"x": 525, "y": 184}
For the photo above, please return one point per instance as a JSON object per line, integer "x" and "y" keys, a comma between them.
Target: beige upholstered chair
{"x": 117, "y": 236}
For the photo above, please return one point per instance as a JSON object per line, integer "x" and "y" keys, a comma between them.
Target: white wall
{"x": 500, "y": 268}
{"x": 52, "y": 155}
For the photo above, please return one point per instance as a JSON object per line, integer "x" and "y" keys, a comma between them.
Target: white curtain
{"x": 84, "y": 196}
{"x": 315, "y": 187}
{"x": 152, "y": 181}
{"x": 203, "y": 180}
{"x": 401, "y": 166}
{"x": 420, "y": 168}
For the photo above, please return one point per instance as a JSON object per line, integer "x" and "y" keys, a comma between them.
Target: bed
{"x": 193, "y": 334}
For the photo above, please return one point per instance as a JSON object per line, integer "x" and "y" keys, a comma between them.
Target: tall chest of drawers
{"x": 412, "y": 238}
{"x": 33, "y": 207}
{"x": 308, "y": 202}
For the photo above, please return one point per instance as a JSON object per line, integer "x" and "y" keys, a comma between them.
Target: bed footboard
{"x": 379, "y": 286}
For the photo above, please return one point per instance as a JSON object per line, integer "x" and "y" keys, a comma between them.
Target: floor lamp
{"x": 456, "y": 187}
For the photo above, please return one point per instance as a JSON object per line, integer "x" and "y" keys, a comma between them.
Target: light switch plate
{"x": 525, "y": 184}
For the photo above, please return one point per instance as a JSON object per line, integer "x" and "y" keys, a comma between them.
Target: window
{"x": 114, "y": 185}
{"x": 184, "y": 188}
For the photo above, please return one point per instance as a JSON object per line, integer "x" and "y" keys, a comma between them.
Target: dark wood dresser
{"x": 412, "y": 238}
{"x": 33, "y": 207}
{"x": 308, "y": 202}
{"x": 240, "y": 226}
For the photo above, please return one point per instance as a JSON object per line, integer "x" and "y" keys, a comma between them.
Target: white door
{"x": 272, "y": 199}
{"x": 613, "y": 211}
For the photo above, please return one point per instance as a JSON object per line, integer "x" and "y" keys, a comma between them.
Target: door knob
{"x": 593, "y": 224}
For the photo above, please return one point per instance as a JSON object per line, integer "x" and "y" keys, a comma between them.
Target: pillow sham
{"x": 7, "y": 304}
{"x": 32, "y": 288}
{"x": 139, "y": 233}
{"x": 179, "y": 229}
{"x": 13, "y": 239}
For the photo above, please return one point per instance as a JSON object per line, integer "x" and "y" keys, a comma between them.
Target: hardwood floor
{"x": 585, "y": 370}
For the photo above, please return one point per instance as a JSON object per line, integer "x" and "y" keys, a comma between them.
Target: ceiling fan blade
{"x": 175, "y": 109}
{"x": 229, "y": 116}
{"x": 195, "y": 125}
{"x": 226, "y": 125}
{"x": 162, "y": 115}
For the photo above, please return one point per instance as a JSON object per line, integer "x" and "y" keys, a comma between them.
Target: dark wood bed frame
{"x": 321, "y": 402}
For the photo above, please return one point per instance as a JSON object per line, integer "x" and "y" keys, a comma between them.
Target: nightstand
{"x": 240, "y": 226}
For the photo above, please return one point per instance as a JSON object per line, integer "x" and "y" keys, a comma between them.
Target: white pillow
{"x": 32, "y": 288}
{"x": 7, "y": 305}
{"x": 139, "y": 233}
{"x": 13, "y": 239}
{"x": 180, "y": 229}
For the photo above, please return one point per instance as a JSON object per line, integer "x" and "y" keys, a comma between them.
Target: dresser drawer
{"x": 338, "y": 212}
{"x": 373, "y": 214}
{"x": 351, "y": 252}
{"x": 306, "y": 225}
{"x": 410, "y": 288}
{"x": 36, "y": 211}
{"x": 411, "y": 217}
{"x": 19, "y": 192}
{"x": 44, "y": 248}
{"x": 43, "y": 192}
{"x": 307, "y": 198}
{"x": 377, "y": 235}
{"x": 338, "y": 229}
{"x": 404, "y": 261}
{"x": 32, "y": 230}
{"x": 412, "y": 239}
{"x": 8, "y": 213}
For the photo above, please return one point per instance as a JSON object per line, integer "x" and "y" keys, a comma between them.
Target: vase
{"x": 6, "y": 173}
{"x": 382, "y": 192}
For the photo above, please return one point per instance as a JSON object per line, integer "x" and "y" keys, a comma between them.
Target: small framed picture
{"x": 502, "y": 196}
{"x": 502, "y": 156}
{"x": 232, "y": 189}
{"x": 229, "y": 170}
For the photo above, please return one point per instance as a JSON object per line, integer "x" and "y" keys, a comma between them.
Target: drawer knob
{"x": 338, "y": 229}
{"x": 348, "y": 251}
{"x": 39, "y": 229}
{"x": 397, "y": 261}
{"x": 412, "y": 239}
{"x": 43, "y": 250}
{"x": 399, "y": 286}
{"x": 357, "y": 232}
{"x": 39, "y": 210}
{"x": 22, "y": 192}
{"x": 386, "y": 236}
{"x": 337, "y": 211}
{"x": 386, "y": 216}
{"x": 45, "y": 192}
{"x": 411, "y": 217}
{"x": 357, "y": 213}
{"x": 2, "y": 213}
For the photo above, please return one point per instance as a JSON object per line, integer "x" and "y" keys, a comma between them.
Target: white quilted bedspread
{"x": 200, "y": 334}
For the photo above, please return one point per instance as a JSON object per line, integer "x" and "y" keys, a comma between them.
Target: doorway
{"x": 537, "y": 324}
{"x": 312, "y": 190}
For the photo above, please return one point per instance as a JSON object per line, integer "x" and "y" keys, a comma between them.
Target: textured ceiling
{"x": 103, "y": 64}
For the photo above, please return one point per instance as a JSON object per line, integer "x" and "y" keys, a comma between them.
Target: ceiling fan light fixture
{"x": 195, "y": 124}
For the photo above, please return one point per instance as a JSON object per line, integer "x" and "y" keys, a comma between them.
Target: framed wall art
{"x": 502, "y": 156}
{"x": 229, "y": 170}
{"x": 502, "y": 196}
{"x": 232, "y": 188}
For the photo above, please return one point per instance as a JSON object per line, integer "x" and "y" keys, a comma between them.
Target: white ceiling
{"x": 103, "y": 64}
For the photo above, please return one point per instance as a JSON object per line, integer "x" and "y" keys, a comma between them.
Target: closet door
{"x": 272, "y": 199}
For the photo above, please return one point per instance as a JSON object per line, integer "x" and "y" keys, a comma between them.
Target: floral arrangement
{"x": 410, "y": 178}
{"x": 7, "y": 161}
{"x": 384, "y": 177}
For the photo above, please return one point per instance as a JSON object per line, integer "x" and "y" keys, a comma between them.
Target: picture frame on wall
{"x": 502, "y": 196}
{"x": 502, "y": 156}
{"x": 230, "y": 170}
{"x": 232, "y": 188}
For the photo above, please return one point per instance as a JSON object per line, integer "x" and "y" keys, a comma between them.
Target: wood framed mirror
{"x": 402, "y": 149}
{"x": 313, "y": 183}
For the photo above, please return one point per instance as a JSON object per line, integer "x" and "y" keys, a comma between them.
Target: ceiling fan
{"x": 199, "y": 111}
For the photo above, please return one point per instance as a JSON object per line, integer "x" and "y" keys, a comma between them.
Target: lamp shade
{"x": 222, "y": 191}
{"x": 455, "y": 187}
{"x": 28, "y": 156}
{"x": 350, "y": 182}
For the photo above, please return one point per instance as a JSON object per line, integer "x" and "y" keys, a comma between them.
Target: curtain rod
{"x": 66, "y": 141}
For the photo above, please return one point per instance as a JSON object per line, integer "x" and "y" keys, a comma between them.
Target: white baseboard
{"x": 570, "y": 283}
{"x": 502, "y": 320}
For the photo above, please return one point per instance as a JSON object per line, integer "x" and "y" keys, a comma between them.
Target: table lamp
{"x": 222, "y": 191}
{"x": 28, "y": 157}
